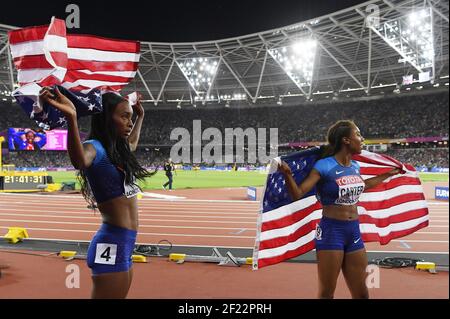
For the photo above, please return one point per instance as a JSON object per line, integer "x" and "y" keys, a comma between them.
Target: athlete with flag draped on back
{"x": 339, "y": 244}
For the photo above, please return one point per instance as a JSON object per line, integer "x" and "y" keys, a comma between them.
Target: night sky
{"x": 172, "y": 21}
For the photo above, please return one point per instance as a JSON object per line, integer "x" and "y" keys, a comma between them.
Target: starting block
{"x": 216, "y": 257}
{"x": 429, "y": 266}
{"x": 139, "y": 259}
{"x": 53, "y": 187}
{"x": 16, "y": 234}
{"x": 70, "y": 255}
{"x": 67, "y": 254}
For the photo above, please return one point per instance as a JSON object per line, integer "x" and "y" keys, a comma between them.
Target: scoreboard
{"x": 22, "y": 181}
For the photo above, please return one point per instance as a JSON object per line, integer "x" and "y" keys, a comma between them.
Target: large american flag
{"x": 48, "y": 55}
{"x": 286, "y": 229}
{"x": 83, "y": 64}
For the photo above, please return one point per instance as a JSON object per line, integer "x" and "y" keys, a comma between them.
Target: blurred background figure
{"x": 169, "y": 168}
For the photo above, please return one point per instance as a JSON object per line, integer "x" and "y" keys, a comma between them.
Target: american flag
{"x": 48, "y": 56}
{"x": 48, "y": 118}
{"x": 286, "y": 229}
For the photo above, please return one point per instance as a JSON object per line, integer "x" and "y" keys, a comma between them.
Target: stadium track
{"x": 221, "y": 222}
{"x": 205, "y": 223}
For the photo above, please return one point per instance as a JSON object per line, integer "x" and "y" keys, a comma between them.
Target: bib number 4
{"x": 106, "y": 254}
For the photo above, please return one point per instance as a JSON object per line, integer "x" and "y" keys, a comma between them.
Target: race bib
{"x": 131, "y": 190}
{"x": 350, "y": 189}
{"x": 106, "y": 254}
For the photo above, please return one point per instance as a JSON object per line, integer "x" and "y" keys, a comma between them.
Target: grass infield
{"x": 215, "y": 179}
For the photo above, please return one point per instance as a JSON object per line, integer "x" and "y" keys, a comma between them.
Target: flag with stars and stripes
{"x": 48, "y": 56}
{"x": 48, "y": 118}
{"x": 286, "y": 229}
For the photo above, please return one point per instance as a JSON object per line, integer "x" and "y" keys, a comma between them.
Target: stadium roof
{"x": 351, "y": 58}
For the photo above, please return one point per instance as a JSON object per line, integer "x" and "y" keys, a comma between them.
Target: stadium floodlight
{"x": 297, "y": 60}
{"x": 200, "y": 73}
{"x": 239, "y": 97}
{"x": 412, "y": 37}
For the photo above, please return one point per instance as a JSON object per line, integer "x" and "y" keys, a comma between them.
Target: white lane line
{"x": 155, "y": 220}
{"x": 140, "y": 203}
{"x": 409, "y": 252}
{"x": 140, "y": 233}
{"x": 239, "y": 229}
{"x": 162, "y": 207}
{"x": 431, "y": 233}
{"x": 140, "y": 219}
{"x": 141, "y": 214}
{"x": 145, "y": 213}
{"x": 405, "y": 245}
{"x": 190, "y": 216}
{"x": 144, "y": 199}
{"x": 421, "y": 241}
{"x": 161, "y": 196}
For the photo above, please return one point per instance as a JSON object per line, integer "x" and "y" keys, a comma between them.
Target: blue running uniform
{"x": 338, "y": 185}
{"x": 111, "y": 248}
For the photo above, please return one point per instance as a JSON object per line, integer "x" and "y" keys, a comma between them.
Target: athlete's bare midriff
{"x": 341, "y": 212}
{"x": 121, "y": 212}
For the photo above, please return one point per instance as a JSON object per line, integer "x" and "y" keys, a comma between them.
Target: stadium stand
{"x": 390, "y": 118}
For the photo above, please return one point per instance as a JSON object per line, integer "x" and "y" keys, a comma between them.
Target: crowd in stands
{"x": 393, "y": 117}
{"x": 396, "y": 117}
{"x": 429, "y": 157}
{"x": 55, "y": 159}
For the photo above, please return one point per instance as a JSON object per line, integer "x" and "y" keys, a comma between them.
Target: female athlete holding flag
{"x": 339, "y": 185}
{"x": 107, "y": 172}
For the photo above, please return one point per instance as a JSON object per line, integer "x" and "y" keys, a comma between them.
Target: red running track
{"x": 192, "y": 222}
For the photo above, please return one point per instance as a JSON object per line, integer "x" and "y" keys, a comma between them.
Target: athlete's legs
{"x": 113, "y": 285}
{"x": 329, "y": 263}
{"x": 170, "y": 181}
{"x": 130, "y": 277}
{"x": 354, "y": 269}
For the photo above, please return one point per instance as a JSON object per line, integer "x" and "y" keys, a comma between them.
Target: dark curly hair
{"x": 117, "y": 148}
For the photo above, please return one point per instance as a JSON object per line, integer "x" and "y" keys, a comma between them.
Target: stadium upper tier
{"x": 361, "y": 50}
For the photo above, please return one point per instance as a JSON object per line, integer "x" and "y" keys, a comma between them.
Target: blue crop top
{"x": 105, "y": 179}
{"x": 338, "y": 185}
